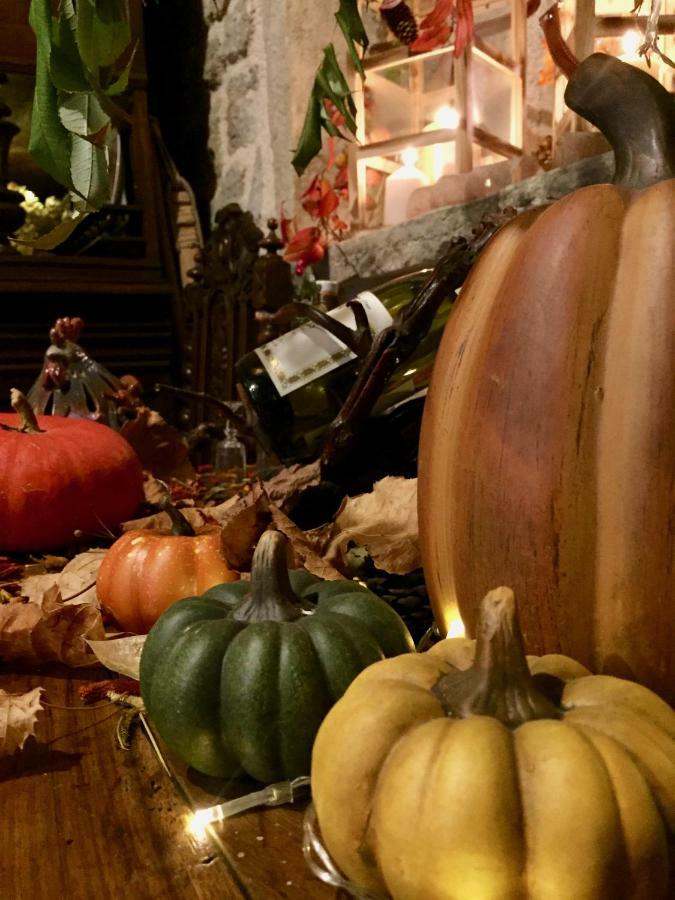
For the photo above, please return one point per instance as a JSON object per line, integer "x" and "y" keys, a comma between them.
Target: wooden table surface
{"x": 83, "y": 819}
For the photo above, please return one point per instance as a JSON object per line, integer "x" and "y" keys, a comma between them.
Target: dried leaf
{"x": 385, "y": 521}
{"x": 18, "y": 713}
{"x": 121, "y": 655}
{"x": 50, "y": 631}
{"x": 76, "y": 582}
{"x": 319, "y": 539}
{"x": 285, "y": 487}
{"x": 245, "y": 523}
{"x": 159, "y": 445}
{"x": 304, "y": 554}
{"x": 154, "y": 490}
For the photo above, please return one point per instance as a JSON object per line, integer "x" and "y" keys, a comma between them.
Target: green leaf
{"x": 65, "y": 65}
{"x": 89, "y": 171}
{"x": 103, "y": 33}
{"x": 82, "y": 113}
{"x": 351, "y": 24}
{"x": 336, "y": 79}
{"x": 49, "y": 143}
{"x": 329, "y": 84}
{"x": 121, "y": 83}
{"x": 310, "y": 138}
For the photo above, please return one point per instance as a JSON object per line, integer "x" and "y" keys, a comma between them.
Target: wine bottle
{"x": 298, "y": 382}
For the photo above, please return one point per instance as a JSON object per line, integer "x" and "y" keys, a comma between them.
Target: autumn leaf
{"x": 76, "y": 581}
{"x": 320, "y": 200}
{"x": 50, "y": 631}
{"x": 18, "y": 713}
{"x": 246, "y": 521}
{"x": 384, "y": 521}
{"x": 121, "y": 655}
{"x": 158, "y": 444}
{"x": 305, "y": 555}
{"x": 285, "y": 487}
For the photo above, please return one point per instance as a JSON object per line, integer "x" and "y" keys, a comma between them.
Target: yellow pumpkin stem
{"x": 272, "y": 598}
{"x": 499, "y": 683}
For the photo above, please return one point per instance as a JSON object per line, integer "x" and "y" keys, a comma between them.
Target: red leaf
{"x": 434, "y": 29}
{"x": 438, "y": 16}
{"x": 338, "y": 224}
{"x": 320, "y": 200}
{"x": 286, "y": 226}
{"x": 331, "y": 152}
{"x": 334, "y": 114}
{"x": 464, "y": 26}
{"x": 305, "y": 246}
{"x": 429, "y": 40}
{"x": 342, "y": 180}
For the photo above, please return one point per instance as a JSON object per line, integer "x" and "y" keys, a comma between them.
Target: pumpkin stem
{"x": 499, "y": 683}
{"x": 24, "y": 410}
{"x": 634, "y": 112}
{"x": 180, "y": 526}
{"x": 272, "y": 597}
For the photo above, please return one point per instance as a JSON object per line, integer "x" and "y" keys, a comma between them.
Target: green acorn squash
{"x": 241, "y": 677}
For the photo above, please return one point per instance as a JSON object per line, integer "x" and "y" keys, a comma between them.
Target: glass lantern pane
{"x": 492, "y": 27}
{"x": 410, "y": 96}
{"x": 484, "y": 156}
{"x": 493, "y": 98}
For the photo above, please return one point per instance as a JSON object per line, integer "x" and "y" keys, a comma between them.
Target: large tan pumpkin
{"x": 547, "y": 456}
{"x": 434, "y": 781}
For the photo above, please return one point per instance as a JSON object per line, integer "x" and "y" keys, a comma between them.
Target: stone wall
{"x": 260, "y": 63}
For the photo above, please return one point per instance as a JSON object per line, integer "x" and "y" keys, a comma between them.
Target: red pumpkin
{"x": 145, "y": 571}
{"x": 547, "y": 457}
{"x": 62, "y": 477}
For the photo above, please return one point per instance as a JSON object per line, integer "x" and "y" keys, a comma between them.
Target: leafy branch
{"x": 331, "y": 88}
{"x": 84, "y": 58}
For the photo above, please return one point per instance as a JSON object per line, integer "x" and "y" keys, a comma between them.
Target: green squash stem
{"x": 272, "y": 598}
{"x": 634, "y": 112}
{"x": 499, "y": 683}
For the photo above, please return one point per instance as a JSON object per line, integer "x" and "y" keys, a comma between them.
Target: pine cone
{"x": 400, "y": 20}
{"x": 544, "y": 153}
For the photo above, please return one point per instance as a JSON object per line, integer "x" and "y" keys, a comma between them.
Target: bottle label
{"x": 308, "y": 352}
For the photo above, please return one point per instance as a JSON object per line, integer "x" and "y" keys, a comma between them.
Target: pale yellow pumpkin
{"x": 440, "y": 782}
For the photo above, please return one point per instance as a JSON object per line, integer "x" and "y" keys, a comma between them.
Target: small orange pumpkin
{"x": 145, "y": 571}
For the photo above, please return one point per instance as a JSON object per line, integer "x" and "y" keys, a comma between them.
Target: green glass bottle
{"x": 298, "y": 382}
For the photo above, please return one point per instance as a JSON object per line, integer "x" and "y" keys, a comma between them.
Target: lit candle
{"x": 439, "y": 159}
{"x": 400, "y": 185}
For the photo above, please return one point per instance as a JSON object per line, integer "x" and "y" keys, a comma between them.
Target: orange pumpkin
{"x": 547, "y": 455}
{"x": 62, "y": 479}
{"x": 145, "y": 571}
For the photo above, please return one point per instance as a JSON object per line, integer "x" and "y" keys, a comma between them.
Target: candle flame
{"x": 447, "y": 117}
{"x": 409, "y": 156}
{"x": 630, "y": 43}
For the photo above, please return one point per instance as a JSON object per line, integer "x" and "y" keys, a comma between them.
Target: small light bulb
{"x": 197, "y": 823}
